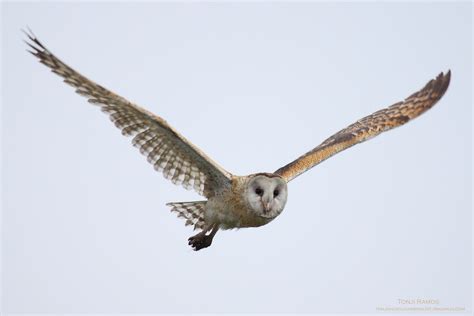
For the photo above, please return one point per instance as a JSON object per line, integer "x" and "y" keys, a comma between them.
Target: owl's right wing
{"x": 169, "y": 152}
{"x": 370, "y": 126}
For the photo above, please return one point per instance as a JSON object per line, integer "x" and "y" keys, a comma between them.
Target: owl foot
{"x": 199, "y": 241}
{"x": 202, "y": 240}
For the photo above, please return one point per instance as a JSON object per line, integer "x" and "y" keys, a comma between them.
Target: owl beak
{"x": 266, "y": 206}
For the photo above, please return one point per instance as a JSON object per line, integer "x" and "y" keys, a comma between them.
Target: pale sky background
{"x": 85, "y": 226}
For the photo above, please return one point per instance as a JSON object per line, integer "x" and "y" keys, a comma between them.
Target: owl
{"x": 231, "y": 201}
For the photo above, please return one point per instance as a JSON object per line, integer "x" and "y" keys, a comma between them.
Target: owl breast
{"x": 230, "y": 209}
{"x": 230, "y": 215}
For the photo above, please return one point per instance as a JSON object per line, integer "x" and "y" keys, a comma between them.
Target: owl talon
{"x": 202, "y": 240}
{"x": 199, "y": 242}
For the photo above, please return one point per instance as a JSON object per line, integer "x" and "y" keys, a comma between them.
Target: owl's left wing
{"x": 169, "y": 152}
{"x": 370, "y": 126}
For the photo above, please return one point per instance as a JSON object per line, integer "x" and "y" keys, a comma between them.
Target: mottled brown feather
{"x": 192, "y": 212}
{"x": 370, "y": 126}
{"x": 168, "y": 151}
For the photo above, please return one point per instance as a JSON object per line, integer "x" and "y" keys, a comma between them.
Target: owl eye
{"x": 276, "y": 192}
{"x": 259, "y": 191}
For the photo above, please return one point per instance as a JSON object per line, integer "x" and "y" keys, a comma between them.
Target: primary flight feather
{"x": 232, "y": 201}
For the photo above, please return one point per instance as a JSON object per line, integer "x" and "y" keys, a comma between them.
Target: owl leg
{"x": 202, "y": 240}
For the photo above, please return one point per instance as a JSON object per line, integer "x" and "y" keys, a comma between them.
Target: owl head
{"x": 266, "y": 194}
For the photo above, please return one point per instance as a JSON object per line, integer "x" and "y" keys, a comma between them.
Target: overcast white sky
{"x": 85, "y": 226}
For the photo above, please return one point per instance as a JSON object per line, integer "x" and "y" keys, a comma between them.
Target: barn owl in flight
{"x": 231, "y": 201}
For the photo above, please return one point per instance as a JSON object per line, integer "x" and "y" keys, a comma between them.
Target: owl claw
{"x": 200, "y": 241}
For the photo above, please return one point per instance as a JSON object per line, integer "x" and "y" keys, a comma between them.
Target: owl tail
{"x": 192, "y": 212}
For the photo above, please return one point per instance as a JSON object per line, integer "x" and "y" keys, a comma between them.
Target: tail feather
{"x": 192, "y": 212}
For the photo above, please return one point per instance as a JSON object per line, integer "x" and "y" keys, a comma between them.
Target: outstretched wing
{"x": 370, "y": 126}
{"x": 168, "y": 151}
